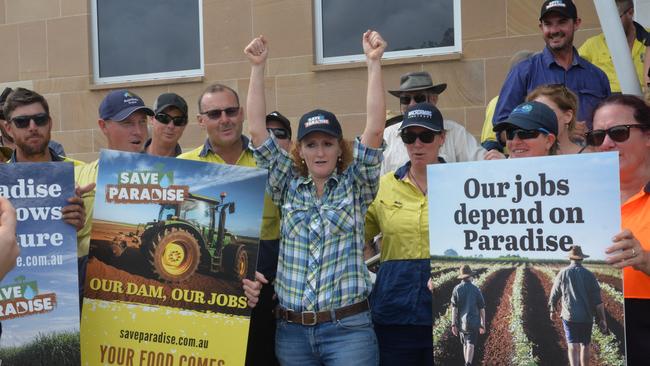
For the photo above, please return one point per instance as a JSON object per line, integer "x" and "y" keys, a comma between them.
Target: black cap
{"x": 319, "y": 120}
{"x": 277, "y": 116}
{"x": 530, "y": 116}
{"x": 424, "y": 115}
{"x": 564, "y": 7}
{"x": 170, "y": 100}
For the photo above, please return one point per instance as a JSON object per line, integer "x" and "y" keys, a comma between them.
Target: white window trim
{"x": 97, "y": 80}
{"x": 436, "y": 51}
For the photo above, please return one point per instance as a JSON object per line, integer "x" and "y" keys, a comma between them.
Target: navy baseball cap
{"x": 319, "y": 120}
{"x": 118, "y": 105}
{"x": 530, "y": 116}
{"x": 170, "y": 100}
{"x": 277, "y": 116}
{"x": 566, "y": 8}
{"x": 424, "y": 115}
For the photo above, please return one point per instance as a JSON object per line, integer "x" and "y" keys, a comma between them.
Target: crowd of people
{"x": 328, "y": 199}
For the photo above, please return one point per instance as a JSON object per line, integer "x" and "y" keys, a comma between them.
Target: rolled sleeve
{"x": 366, "y": 169}
{"x": 270, "y": 156}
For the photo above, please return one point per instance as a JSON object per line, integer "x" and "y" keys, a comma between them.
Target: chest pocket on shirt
{"x": 340, "y": 217}
{"x": 293, "y": 220}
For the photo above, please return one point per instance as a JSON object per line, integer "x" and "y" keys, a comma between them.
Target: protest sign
{"x": 514, "y": 223}
{"x": 39, "y": 300}
{"x": 171, "y": 241}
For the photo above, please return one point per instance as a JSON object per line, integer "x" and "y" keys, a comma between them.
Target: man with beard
{"x": 30, "y": 124}
{"x": 558, "y": 63}
{"x": 7, "y": 144}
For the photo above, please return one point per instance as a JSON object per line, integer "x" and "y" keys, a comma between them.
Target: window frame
{"x": 168, "y": 75}
{"x": 434, "y": 51}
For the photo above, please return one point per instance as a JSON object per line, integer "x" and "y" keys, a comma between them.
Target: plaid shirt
{"x": 321, "y": 263}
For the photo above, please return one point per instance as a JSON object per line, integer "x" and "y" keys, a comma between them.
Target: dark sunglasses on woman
{"x": 524, "y": 134}
{"x": 165, "y": 118}
{"x": 409, "y": 137}
{"x": 617, "y": 133}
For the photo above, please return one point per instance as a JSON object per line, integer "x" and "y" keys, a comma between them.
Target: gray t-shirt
{"x": 468, "y": 300}
{"x": 580, "y": 293}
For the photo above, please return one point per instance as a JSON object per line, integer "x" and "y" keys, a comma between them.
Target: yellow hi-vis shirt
{"x": 271, "y": 214}
{"x": 85, "y": 175}
{"x": 401, "y": 212}
{"x": 595, "y": 50}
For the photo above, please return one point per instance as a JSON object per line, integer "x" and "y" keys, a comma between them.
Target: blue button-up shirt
{"x": 583, "y": 78}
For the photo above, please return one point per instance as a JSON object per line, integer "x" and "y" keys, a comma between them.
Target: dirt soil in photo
{"x": 497, "y": 338}
{"x": 131, "y": 271}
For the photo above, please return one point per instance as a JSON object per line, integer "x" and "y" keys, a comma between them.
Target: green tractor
{"x": 192, "y": 235}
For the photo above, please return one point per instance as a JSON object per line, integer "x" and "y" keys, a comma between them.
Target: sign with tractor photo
{"x": 171, "y": 242}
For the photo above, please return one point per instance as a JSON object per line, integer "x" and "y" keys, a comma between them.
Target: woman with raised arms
{"x": 323, "y": 190}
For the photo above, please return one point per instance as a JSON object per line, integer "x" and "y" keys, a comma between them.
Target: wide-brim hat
{"x": 530, "y": 116}
{"x": 465, "y": 272}
{"x": 416, "y": 81}
{"x": 576, "y": 253}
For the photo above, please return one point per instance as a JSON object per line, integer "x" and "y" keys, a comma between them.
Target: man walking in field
{"x": 468, "y": 313}
{"x": 580, "y": 294}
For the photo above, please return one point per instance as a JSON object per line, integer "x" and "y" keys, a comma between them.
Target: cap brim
{"x": 163, "y": 107}
{"x": 404, "y": 125}
{"x": 578, "y": 257}
{"x": 125, "y": 113}
{"x": 516, "y": 123}
{"x": 436, "y": 89}
{"x": 285, "y": 123}
{"x": 318, "y": 129}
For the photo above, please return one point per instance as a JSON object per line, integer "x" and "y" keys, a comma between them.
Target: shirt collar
{"x": 177, "y": 149}
{"x": 207, "y": 147}
{"x": 55, "y": 157}
{"x": 547, "y": 57}
{"x": 404, "y": 169}
{"x": 641, "y": 33}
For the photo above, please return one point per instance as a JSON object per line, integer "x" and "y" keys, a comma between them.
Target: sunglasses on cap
{"x": 617, "y": 133}
{"x": 409, "y": 137}
{"x": 216, "y": 113}
{"x": 40, "y": 119}
{"x": 165, "y": 118}
{"x": 406, "y": 99}
{"x": 280, "y": 133}
{"x": 524, "y": 134}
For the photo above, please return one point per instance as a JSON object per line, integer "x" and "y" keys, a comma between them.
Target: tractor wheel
{"x": 235, "y": 261}
{"x": 174, "y": 255}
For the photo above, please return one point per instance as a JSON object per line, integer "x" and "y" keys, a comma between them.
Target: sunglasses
{"x": 409, "y": 137}
{"x": 280, "y": 133}
{"x": 406, "y": 99}
{"x": 617, "y": 133}
{"x": 40, "y": 119}
{"x": 165, "y": 118}
{"x": 216, "y": 113}
{"x": 524, "y": 134}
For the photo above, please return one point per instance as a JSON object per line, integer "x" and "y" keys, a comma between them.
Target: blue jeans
{"x": 347, "y": 341}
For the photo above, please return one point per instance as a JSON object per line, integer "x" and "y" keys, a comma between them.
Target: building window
{"x": 146, "y": 40}
{"x": 411, "y": 27}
